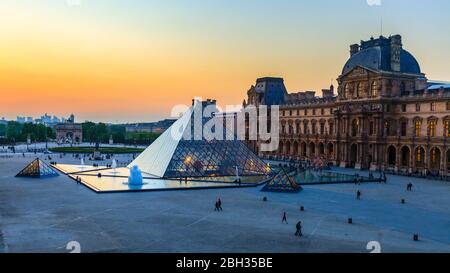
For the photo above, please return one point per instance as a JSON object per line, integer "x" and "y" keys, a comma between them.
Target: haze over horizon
{"x": 131, "y": 61}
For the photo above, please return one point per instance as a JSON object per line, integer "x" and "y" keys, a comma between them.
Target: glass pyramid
{"x": 37, "y": 169}
{"x": 282, "y": 182}
{"x": 185, "y": 150}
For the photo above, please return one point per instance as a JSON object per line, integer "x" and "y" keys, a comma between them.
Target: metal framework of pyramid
{"x": 37, "y": 169}
{"x": 282, "y": 182}
{"x": 175, "y": 154}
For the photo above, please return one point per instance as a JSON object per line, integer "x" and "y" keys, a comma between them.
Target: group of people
{"x": 409, "y": 187}
{"x": 218, "y": 205}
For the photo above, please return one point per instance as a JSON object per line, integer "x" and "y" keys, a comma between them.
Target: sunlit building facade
{"x": 385, "y": 115}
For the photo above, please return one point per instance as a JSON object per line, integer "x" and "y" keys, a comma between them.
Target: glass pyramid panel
{"x": 282, "y": 182}
{"x": 37, "y": 169}
{"x": 201, "y": 158}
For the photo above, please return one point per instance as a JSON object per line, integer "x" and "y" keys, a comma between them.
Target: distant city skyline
{"x": 132, "y": 61}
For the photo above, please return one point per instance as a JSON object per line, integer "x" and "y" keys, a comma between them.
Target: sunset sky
{"x": 133, "y": 60}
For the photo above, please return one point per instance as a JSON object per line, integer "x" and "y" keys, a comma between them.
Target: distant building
{"x": 21, "y": 119}
{"x": 154, "y": 127}
{"x": 69, "y": 132}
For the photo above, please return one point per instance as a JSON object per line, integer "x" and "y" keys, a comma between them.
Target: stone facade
{"x": 69, "y": 132}
{"x": 385, "y": 116}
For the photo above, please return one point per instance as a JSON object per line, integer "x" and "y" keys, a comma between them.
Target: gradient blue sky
{"x": 132, "y": 60}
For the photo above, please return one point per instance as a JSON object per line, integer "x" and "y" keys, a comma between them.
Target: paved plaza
{"x": 44, "y": 215}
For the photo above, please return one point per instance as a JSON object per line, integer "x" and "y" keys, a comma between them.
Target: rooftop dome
{"x": 376, "y": 54}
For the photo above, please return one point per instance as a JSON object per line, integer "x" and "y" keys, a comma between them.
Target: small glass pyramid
{"x": 282, "y": 182}
{"x": 37, "y": 169}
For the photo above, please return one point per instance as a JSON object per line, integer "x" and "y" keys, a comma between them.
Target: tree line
{"x": 15, "y": 132}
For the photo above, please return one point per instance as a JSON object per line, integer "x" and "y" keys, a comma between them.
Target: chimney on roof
{"x": 354, "y": 49}
{"x": 396, "y": 51}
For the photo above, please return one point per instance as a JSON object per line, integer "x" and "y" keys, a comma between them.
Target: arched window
{"x": 404, "y": 128}
{"x": 432, "y": 128}
{"x": 418, "y": 127}
{"x": 347, "y": 91}
{"x": 374, "y": 89}
{"x": 355, "y": 127}
{"x": 360, "y": 90}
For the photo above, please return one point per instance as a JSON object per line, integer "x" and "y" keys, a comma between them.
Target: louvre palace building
{"x": 384, "y": 115}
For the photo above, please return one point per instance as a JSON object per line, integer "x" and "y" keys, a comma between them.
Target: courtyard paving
{"x": 44, "y": 215}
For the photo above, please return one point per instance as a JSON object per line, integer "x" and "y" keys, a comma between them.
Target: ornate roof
{"x": 376, "y": 54}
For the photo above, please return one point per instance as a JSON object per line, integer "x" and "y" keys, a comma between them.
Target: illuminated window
{"x": 418, "y": 127}
{"x": 447, "y": 128}
{"x": 419, "y": 154}
{"x": 433, "y": 155}
{"x": 432, "y": 128}
{"x": 374, "y": 89}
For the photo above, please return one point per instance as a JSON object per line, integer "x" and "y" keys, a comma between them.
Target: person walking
{"x": 219, "y": 205}
{"x": 358, "y": 195}
{"x": 216, "y": 206}
{"x": 284, "y": 220}
{"x": 299, "y": 229}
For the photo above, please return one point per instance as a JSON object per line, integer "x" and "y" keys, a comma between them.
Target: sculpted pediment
{"x": 358, "y": 72}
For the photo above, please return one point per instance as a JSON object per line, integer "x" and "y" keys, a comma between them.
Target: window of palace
{"x": 374, "y": 89}
{"x": 387, "y": 126}
{"x": 322, "y": 111}
{"x": 447, "y": 128}
{"x": 403, "y": 108}
{"x": 330, "y": 128}
{"x": 417, "y": 107}
{"x": 371, "y": 128}
{"x": 419, "y": 154}
{"x": 313, "y": 128}
{"x": 418, "y": 127}
{"x": 355, "y": 127}
{"x": 432, "y": 128}
{"x": 388, "y": 108}
{"x": 347, "y": 91}
{"x": 433, "y": 106}
{"x": 314, "y": 112}
{"x": 322, "y": 128}
{"x": 433, "y": 156}
{"x": 359, "y": 90}
{"x": 404, "y": 128}
{"x": 290, "y": 113}
{"x": 448, "y": 105}
{"x": 306, "y": 112}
